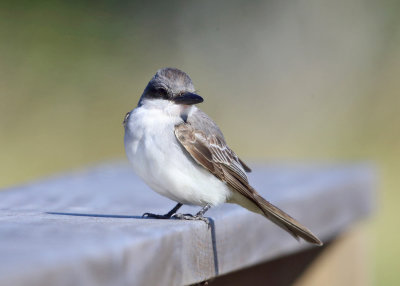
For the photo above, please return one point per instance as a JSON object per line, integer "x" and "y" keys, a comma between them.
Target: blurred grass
{"x": 315, "y": 80}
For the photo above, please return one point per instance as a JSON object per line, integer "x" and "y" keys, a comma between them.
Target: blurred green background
{"x": 316, "y": 80}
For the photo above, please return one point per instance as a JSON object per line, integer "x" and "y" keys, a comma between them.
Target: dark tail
{"x": 285, "y": 221}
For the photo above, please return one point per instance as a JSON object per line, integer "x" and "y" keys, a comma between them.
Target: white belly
{"x": 159, "y": 159}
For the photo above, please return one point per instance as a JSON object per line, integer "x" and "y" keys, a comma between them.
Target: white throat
{"x": 167, "y": 107}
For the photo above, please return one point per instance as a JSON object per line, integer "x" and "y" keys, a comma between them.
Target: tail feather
{"x": 285, "y": 221}
{"x": 251, "y": 199}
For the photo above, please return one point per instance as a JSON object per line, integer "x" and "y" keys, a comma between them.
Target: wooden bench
{"x": 85, "y": 228}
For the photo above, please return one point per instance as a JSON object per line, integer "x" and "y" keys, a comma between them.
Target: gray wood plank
{"x": 85, "y": 228}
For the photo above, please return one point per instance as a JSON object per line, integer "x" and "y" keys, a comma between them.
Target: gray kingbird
{"x": 181, "y": 153}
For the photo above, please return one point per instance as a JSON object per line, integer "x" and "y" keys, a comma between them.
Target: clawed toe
{"x": 206, "y": 220}
{"x": 192, "y": 217}
{"x": 150, "y": 215}
{"x": 183, "y": 216}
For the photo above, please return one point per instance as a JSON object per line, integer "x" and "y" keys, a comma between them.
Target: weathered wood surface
{"x": 85, "y": 228}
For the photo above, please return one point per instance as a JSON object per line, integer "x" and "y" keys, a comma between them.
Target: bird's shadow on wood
{"x": 95, "y": 215}
{"x": 212, "y": 228}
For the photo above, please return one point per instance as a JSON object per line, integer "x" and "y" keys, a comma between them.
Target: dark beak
{"x": 188, "y": 98}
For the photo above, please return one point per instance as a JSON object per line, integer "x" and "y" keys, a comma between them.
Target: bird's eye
{"x": 163, "y": 93}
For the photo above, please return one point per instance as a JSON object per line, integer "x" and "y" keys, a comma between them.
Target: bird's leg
{"x": 198, "y": 216}
{"x": 166, "y": 216}
{"x": 204, "y": 210}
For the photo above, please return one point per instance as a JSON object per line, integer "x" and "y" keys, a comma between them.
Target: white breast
{"x": 159, "y": 159}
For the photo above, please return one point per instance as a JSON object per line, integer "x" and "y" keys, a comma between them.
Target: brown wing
{"x": 211, "y": 152}
{"x": 201, "y": 121}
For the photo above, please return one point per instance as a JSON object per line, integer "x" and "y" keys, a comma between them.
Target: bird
{"x": 181, "y": 153}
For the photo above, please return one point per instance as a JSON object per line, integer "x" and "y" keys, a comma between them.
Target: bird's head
{"x": 172, "y": 85}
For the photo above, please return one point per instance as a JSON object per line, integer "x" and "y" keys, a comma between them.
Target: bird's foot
{"x": 166, "y": 216}
{"x": 150, "y": 215}
{"x": 192, "y": 217}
